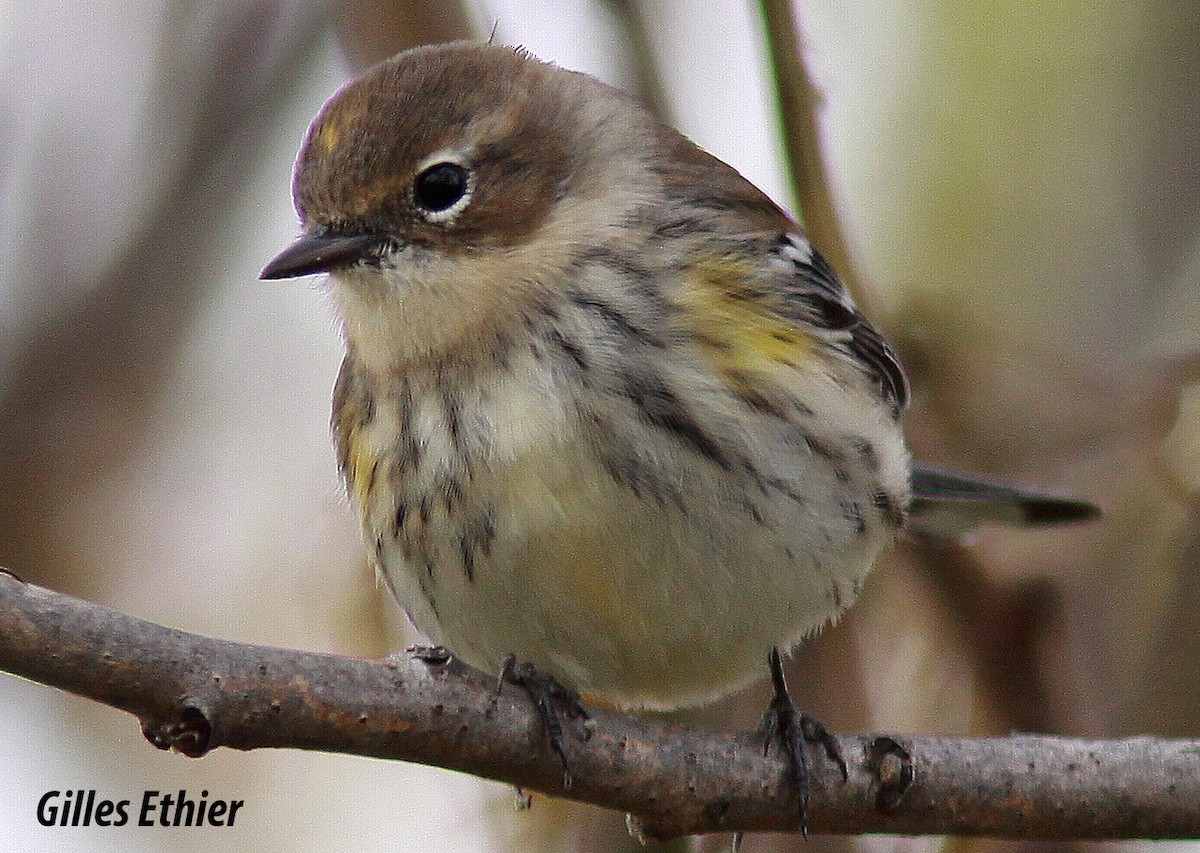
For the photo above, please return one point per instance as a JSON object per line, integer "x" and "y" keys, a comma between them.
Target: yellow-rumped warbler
{"x": 604, "y": 407}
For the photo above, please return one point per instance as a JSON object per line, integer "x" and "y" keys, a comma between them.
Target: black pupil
{"x": 440, "y": 186}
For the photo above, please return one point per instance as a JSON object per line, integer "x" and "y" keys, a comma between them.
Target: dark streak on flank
{"x": 451, "y": 490}
{"x": 853, "y": 513}
{"x": 659, "y": 406}
{"x": 891, "y": 508}
{"x": 571, "y": 349}
{"x": 639, "y": 279}
{"x": 613, "y": 316}
{"x": 783, "y": 488}
{"x": 633, "y": 474}
{"x": 368, "y": 406}
{"x": 741, "y": 386}
{"x": 718, "y": 344}
{"x": 467, "y": 548}
{"x": 485, "y": 530}
{"x": 627, "y": 266}
{"x": 755, "y": 513}
{"x": 866, "y": 452}
{"x": 682, "y": 227}
{"x": 475, "y": 538}
{"x": 819, "y": 448}
{"x": 424, "y": 582}
{"x": 452, "y": 406}
{"x": 409, "y": 454}
{"x": 371, "y": 479}
{"x": 826, "y": 451}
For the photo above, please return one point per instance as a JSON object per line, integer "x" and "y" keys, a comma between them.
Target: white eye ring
{"x": 443, "y": 186}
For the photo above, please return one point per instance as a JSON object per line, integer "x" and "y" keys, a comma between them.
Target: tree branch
{"x": 799, "y": 101}
{"x": 194, "y": 694}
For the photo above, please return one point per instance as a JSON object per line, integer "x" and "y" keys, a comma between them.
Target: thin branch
{"x": 194, "y": 694}
{"x": 799, "y": 102}
{"x": 647, "y": 80}
{"x": 78, "y": 390}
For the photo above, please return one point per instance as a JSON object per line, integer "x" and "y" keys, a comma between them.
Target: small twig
{"x": 799, "y": 102}
{"x": 194, "y": 694}
{"x": 648, "y": 84}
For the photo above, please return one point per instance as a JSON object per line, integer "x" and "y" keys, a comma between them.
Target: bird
{"x": 605, "y": 410}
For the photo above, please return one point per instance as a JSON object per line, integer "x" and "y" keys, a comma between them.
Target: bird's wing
{"x": 817, "y": 296}
{"x": 806, "y": 298}
{"x": 707, "y": 195}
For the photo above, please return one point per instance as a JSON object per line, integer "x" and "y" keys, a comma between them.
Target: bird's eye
{"x": 442, "y": 190}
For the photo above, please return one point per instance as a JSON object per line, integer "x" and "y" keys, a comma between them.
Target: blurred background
{"x": 1019, "y": 187}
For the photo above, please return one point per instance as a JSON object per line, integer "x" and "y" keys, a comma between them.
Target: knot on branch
{"x": 892, "y": 766}
{"x": 190, "y": 733}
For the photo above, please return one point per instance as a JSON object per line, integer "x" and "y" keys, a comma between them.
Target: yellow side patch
{"x": 738, "y": 324}
{"x": 359, "y": 460}
{"x": 360, "y": 472}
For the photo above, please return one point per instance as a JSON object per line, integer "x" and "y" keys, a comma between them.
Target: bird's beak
{"x": 315, "y": 253}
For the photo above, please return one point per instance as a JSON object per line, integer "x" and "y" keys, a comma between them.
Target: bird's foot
{"x": 785, "y": 721}
{"x": 547, "y": 695}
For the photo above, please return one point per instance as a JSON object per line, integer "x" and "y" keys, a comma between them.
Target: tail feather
{"x": 947, "y": 505}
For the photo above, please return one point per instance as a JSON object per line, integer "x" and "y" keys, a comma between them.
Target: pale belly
{"x": 625, "y": 595}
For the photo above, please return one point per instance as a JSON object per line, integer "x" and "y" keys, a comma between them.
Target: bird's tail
{"x": 947, "y": 505}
